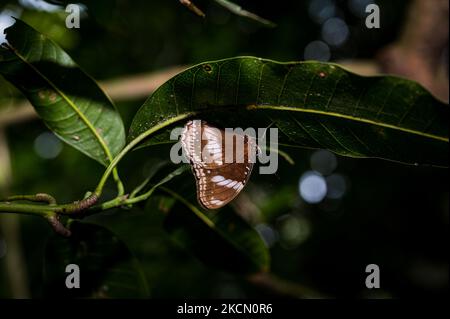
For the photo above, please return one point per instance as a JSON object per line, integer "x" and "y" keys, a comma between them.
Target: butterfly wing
{"x": 218, "y": 182}
{"x": 216, "y": 188}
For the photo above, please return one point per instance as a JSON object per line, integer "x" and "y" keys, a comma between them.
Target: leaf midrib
{"x": 347, "y": 117}
{"x": 71, "y": 104}
{"x": 251, "y": 107}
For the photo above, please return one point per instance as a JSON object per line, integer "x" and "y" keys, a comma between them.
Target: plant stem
{"x": 120, "y": 188}
{"x": 88, "y": 202}
{"x": 34, "y": 209}
{"x": 132, "y": 144}
{"x": 125, "y": 200}
{"x": 52, "y": 212}
{"x": 27, "y": 209}
{"x": 144, "y": 183}
{"x": 40, "y": 197}
{"x": 85, "y": 206}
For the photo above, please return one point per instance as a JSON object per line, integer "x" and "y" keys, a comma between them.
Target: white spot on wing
{"x": 231, "y": 184}
{"x": 238, "y": 186}
{"x": 217, "y": 178}
{"x": 225, "y": 182}
{"x": 216, "y": 202}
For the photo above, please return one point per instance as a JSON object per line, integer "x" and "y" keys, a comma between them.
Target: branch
{"x": 45, "y": 210}
{"x": 57, "y": 226}
{"x": 419, "y": 53}
{"x": 238, "y": 10}
{"x": 40, "y": 197}
{"x": 191, "y": 6}
{"x": 83, "y": 208}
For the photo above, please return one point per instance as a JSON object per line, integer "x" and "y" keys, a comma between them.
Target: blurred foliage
{"x": 108, "y": 268}
{"x": 392, "y": 215}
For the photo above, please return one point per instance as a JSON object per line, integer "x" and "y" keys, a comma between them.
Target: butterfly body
{"x": 220, "y": 175}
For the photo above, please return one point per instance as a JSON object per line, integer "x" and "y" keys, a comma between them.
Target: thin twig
{"x": 238, "y": 10}
{"x": 40, "y": 197}
{"x": 57, "y": 226}
{"x": 191, "y": 6}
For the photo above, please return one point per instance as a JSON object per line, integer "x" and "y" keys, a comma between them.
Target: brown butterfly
{"x": 221, "y": 161}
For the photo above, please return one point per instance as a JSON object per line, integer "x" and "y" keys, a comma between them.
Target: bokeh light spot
{"x": 317, "y": 50}
{"x": 40, "y": 5}
{"x": 323, "y": 161}
{"x": 321, "y": 10}
{"x": 337, "y": 186}
{"x": 7, "y": 16}
{"x": 47, "y": 145}
{"x": 293, "y": 230}
{"x": 335, "y": 32}
{"x": 312, "y": 187}
{"x": 267, "y": 233}
{"x": 358, "y": 7}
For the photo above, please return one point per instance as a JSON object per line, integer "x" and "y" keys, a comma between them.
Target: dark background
{"x": 381, "y": 212}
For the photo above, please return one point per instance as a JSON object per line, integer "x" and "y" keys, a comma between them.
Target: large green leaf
{"x": 70, "y": 102}
{"x": 315, "y": 105}
{"x": 107, "y": 268}
{"x": 221, "y": 239}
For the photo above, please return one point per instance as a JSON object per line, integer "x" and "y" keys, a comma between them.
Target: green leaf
{"x": 180, "y": 170}
{"x": 314, "y": 105}
{"x": 220, "y": 239}
{"x": 70, "y": 102}
{"x": 107, "y": 268}
{"x": 163, "y": 261}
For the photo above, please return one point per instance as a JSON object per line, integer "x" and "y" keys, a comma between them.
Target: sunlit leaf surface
{"x": 315, "y": 105}
{"x": 71, "y": 104}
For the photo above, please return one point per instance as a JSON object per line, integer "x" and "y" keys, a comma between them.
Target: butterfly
{"x": 221, "y": 161}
